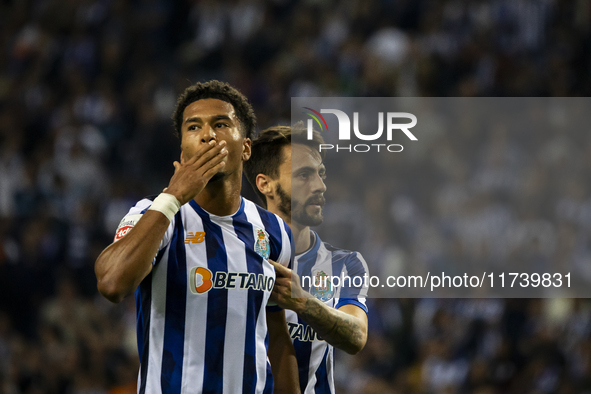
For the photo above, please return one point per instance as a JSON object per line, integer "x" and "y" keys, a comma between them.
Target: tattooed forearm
{"x": 341, "y": 330}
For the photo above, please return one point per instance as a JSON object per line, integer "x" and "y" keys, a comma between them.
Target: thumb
{"x": 176, "y": 165}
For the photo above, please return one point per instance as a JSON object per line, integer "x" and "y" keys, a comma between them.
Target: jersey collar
{"x": 313, "y": 250}
{"x": 203, "y": 212}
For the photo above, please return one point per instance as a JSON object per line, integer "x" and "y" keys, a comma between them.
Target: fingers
{"x": 213, "y": 157}
{"x": 283, "y": 283}
{"x": 215, "y": 163}
{"x": 213, "y": 170}
{"x": 280, "y": 270}
{"x": 218, "y": 151}
{"x": 207, "y": 159}
{"x": 202, "y": 149}
{"x": 205, "y": 152}
{"x": 274, "y": 298}
{"x": 280, "y": 294}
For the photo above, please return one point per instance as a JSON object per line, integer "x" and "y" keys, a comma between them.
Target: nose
{"x": 208, "y": 134}
{"x": 318, "y": 185}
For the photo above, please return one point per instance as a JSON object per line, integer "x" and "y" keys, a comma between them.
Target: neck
{"x": 301, "y": 233}
{"x": 222, "y": 197}
{"x": 301, "y": 237}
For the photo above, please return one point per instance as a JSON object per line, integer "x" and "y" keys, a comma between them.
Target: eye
{"x": 221, "y": 125}
{"x": 322, "y": 175}
{"x": 193, "y": 127}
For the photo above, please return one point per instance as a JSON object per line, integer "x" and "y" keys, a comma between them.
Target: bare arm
{"x": 282, "y": 356}
{"x": 344, "y": 328}
{"x": 123, "y": 265}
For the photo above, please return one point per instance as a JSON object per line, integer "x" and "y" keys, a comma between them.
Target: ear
{"x": 265, "y": 185}
{"x": 246, "y": 149}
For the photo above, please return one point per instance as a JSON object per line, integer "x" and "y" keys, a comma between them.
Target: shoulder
{"x": 133, "y": 216}
{"x": 263, "y": 213}
{"x": 334, "y": 249}
{"x": 350, "y": 254}
{"x": 352, "y": 260}
{"x": 142, "y": 205}
{"x": 273, "y": 224}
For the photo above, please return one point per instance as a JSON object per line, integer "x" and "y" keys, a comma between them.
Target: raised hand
{"x": 287, "y": 292}
{"x": 191, "y": 176}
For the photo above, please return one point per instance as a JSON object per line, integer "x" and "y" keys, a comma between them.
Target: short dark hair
{"x": 216, "y": 90}
{"x": 267, "y": 151}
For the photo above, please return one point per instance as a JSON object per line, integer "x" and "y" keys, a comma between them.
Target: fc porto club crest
{"x": 261, "y": 244}
{"x": 322, "y": 287}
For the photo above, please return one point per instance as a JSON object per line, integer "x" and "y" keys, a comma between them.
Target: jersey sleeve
{"x": 287, "y": 246}
{"x": 133, "y": 217}
{"x": 354, "y": 292}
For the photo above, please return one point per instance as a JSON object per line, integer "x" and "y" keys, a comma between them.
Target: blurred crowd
{"x": 492, "y": 184}
{"x": 87, "y": 88}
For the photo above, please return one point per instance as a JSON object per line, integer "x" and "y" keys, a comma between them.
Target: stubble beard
{"x": 296, "y": 211}
{"x": 284, "y": 204}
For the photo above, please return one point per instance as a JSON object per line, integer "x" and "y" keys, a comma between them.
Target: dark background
{"x": 86, "y": 92}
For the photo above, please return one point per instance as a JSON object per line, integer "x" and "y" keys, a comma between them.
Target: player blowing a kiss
{"x": 197, "y": 257}
{"x": 287, "y": 172}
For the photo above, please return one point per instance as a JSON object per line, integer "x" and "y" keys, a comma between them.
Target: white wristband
{"x": 167, "y": 204}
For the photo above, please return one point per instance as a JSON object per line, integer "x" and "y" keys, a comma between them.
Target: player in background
{"x": 287, "y": 172}
{"x": 197, "y": 257}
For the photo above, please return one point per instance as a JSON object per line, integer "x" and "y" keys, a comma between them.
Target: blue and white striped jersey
{"x": 315, "y": 356}
{"x": 201, "y": 312}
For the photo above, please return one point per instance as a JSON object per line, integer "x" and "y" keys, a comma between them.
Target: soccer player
{"x": 287, "y": 172}
{"x": 197, "y": 258}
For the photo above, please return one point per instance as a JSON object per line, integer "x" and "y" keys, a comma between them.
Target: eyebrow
{"x": 214, "y": 118}
{"x": 310, "y": 168}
